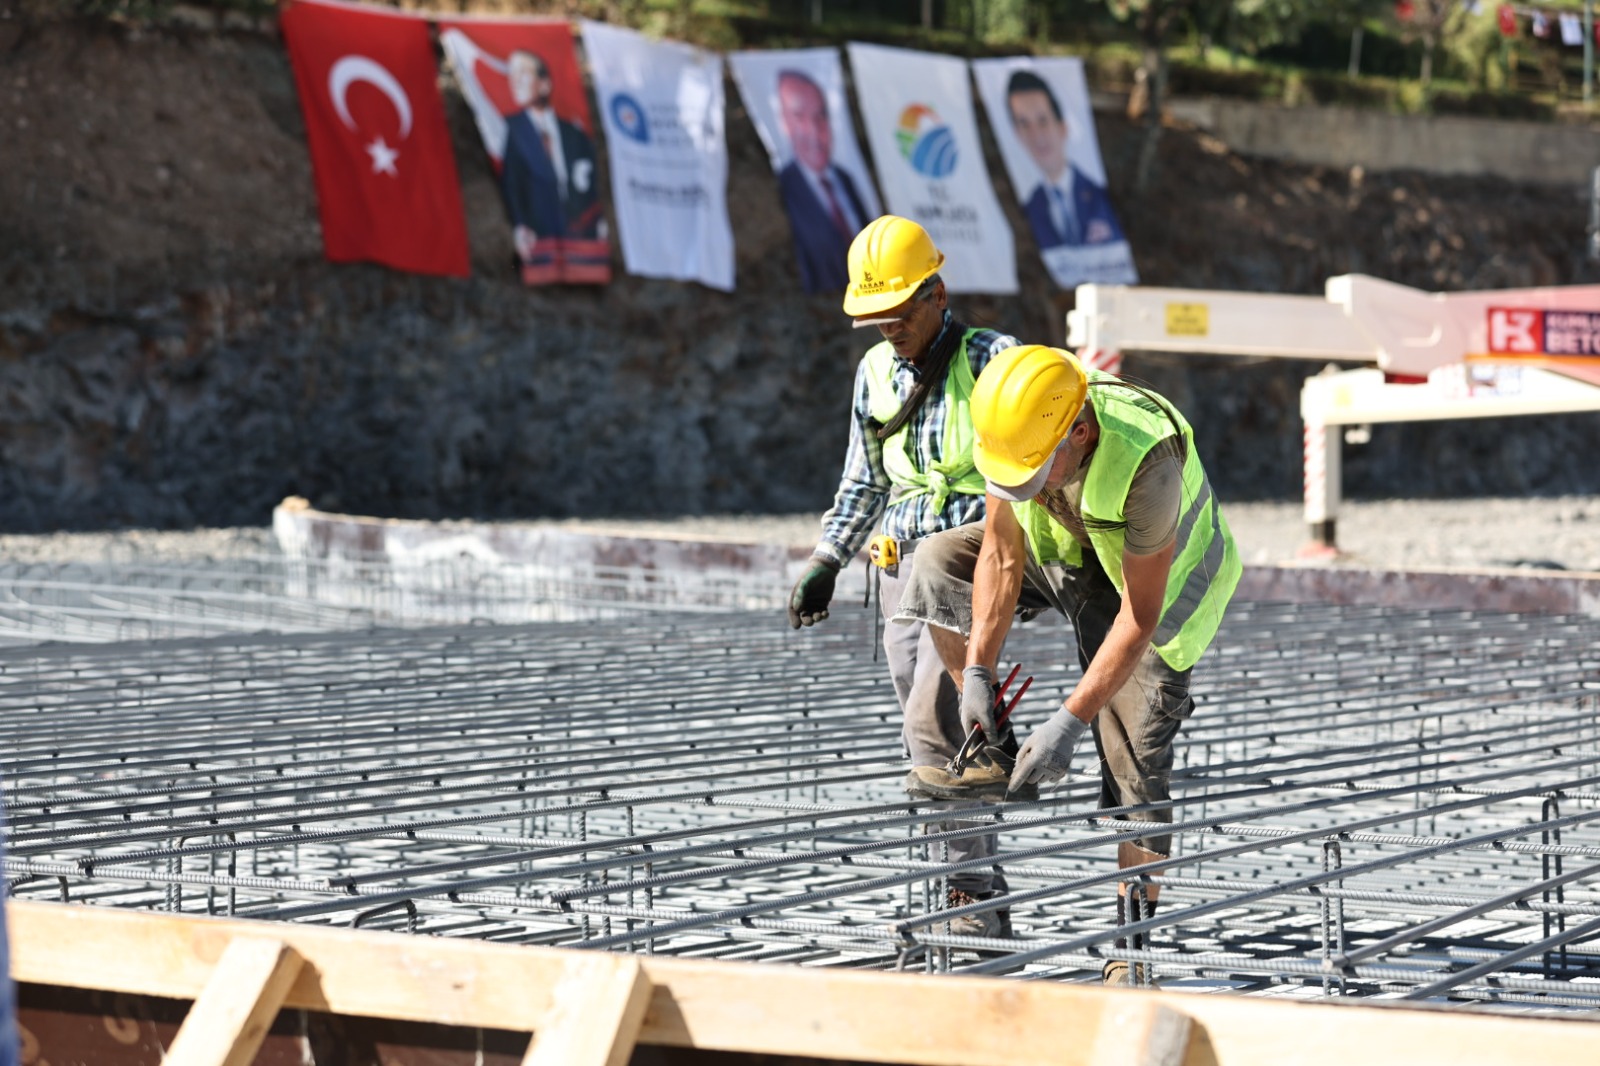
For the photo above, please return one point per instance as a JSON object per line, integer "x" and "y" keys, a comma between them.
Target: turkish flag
{"x": 380, "y": 150}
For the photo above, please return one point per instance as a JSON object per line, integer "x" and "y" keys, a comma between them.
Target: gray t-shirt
{"x": 1153, "y": 506}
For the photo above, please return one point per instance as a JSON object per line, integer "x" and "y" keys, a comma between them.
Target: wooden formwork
{"x": 586, "y": 1008}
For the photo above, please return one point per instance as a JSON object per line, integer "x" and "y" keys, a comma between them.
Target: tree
{"x": 1154, "y": 21}
{"x": 1352, "y": 15}
{"x": 1431, "y": 21}
{"x": 1256, "y": 25}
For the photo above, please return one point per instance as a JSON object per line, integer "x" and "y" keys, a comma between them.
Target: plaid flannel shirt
{"x": 864, "y": 488}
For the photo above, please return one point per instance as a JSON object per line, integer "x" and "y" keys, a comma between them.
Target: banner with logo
{"x": 521, "y": 79}
{"x": 1039, "y": 111}
{"x": 924, "y": 139}
{"x": 797, "y": 101}
{"x": 662, "y": 108}
{"x": 387, "y": 190}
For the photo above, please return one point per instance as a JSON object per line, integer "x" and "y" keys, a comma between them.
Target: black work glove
{"x": 808, "y": 603}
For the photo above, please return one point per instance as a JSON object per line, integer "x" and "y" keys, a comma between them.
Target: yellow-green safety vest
{"x": 955, "y": 472}
{"x": 1205, "y": 562}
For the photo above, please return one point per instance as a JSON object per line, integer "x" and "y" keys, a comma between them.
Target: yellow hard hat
{"x": 887, "y": 261}
{"x": 1022, "y": 406}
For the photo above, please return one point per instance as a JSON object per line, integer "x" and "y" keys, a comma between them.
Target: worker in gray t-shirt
{"x": 1099, "y": 508}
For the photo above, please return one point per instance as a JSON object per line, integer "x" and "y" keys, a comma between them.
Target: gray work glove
{"x": 1047, "y": 754}
{"x": 808, "y": 603}
{"x": 977, "y": 702}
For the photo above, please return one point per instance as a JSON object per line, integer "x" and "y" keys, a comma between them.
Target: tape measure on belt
{"x": 883, "y": 551}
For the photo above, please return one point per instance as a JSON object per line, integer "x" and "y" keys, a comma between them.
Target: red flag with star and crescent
{"x": 385, "y": 172}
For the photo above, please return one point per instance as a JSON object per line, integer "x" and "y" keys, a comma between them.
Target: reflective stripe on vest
{"x": 953, "y": 473}
{"x": 1205, "y": 560}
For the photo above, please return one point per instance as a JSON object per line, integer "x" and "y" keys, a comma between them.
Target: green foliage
{"x": 1289, "y": 51}
{"x": 1478, "y": 50}
{"x": 1257, "y": 24}
{"x": 164, "y": 12}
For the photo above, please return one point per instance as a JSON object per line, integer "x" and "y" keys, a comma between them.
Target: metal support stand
{"x": 1594, "y": 214}
{"x": 1588, "y": 52}
{"x": 1322, "y": 486}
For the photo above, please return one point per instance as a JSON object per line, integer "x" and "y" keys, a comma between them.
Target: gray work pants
{"x": 931, "y": 710}
{"x": 1134, "y": 732}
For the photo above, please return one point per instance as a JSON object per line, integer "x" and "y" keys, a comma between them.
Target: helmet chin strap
{"x": 929, "y": 375}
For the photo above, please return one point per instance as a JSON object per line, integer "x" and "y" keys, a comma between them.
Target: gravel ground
{"x": 1547, "y": 533}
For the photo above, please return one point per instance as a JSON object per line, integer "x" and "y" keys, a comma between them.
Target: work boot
{"x": 1120, "y": 973}
{"x": 986, "y": 776}
{"x": 995, "y": 923}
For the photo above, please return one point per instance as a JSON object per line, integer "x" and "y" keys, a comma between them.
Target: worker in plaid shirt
{"x": 909, "y": 462}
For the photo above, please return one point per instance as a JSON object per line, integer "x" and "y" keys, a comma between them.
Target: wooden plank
{"x": 869, "y": 1017}
{"x": 1137, "y": 1031}
{"x": 595, "y": 1013}
{"x": 235, "y": 1009}
{"x": 451, "y": 982}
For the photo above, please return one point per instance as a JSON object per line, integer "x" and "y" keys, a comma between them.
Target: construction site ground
{"x": 1381, "y": 801}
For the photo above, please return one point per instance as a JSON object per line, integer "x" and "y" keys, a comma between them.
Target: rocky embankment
{"x": 174, "y": 351}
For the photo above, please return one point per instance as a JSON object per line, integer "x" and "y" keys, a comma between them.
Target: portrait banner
{"x": 1039, "y": 110}
{"x": 923, "y": 134}
{"x": 387, "y": 190}
{"x": 661, "y": 105}
{"x": 797, "y": 101}
{"x": 522, "y": 81}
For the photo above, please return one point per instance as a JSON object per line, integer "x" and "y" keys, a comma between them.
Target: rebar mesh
{"x": 1368, "y": 802}
{"x": 166, "y": 597}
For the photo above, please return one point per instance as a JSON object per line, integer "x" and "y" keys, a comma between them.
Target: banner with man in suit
{"x": 796, "y": 99}
{"x": 1039, "y": 110}
{"x": 521, "y": 78}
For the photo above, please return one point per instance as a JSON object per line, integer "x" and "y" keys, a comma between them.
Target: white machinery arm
{"x": 1399, "y": 329}
{"x": 1436, "y": 343}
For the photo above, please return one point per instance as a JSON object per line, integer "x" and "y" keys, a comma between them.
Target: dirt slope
{"x": 173, "y": 350}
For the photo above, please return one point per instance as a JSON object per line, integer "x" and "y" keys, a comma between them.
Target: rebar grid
{"x": 166, "y": 598}
{"x": 1367, "y": 802}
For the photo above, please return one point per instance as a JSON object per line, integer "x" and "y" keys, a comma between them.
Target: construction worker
{"x": 1098, "y": 507}
{"x": 909, "y": 461}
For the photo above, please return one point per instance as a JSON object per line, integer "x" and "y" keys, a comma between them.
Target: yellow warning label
{"x": 1188, "y": 320}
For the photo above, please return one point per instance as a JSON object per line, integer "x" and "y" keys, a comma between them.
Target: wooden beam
{"x": 595, "y": 1013}
{"x": 1136, "y": 1031}
{"x": 235, "y": 1009}
{"x": 871, "y": 1017}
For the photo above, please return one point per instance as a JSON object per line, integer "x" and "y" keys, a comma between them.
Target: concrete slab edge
{"x": 306, "y": 533}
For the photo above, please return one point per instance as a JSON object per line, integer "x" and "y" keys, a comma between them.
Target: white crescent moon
{"x": 352, "y": 69}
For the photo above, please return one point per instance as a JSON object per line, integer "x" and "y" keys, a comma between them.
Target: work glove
{"x": 1047, "y": 753}
{"x": 977, "y": 702}
{"x": 808, "y": 603}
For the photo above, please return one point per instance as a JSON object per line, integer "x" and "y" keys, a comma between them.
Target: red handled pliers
{"x": 1002, "y": 714}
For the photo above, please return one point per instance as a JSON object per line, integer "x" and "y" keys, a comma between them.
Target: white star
{"x": 383, "y": 157}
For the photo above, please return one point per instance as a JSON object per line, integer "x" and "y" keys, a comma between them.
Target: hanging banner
{"x": 924, "y": 140}
{"x": 1039, "y": 111}
{"x": 662, "y": 108}
{"x": 521, "y": 79}
{"x": 387, "y": 190}
{"x": 797, "y": 101}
